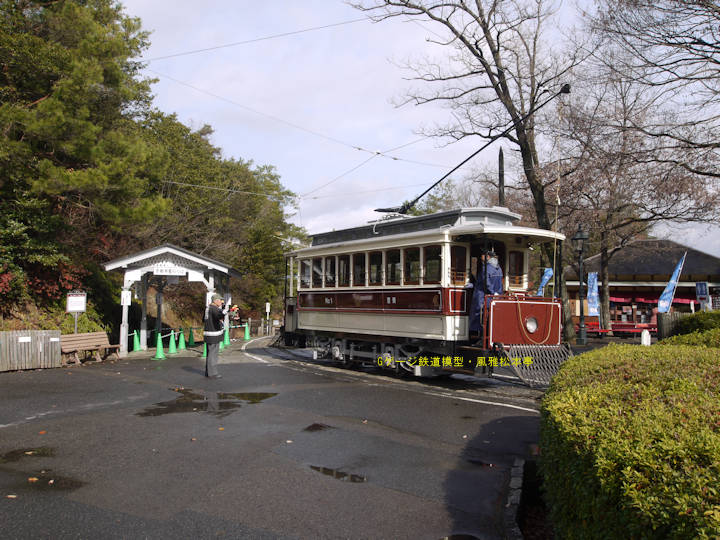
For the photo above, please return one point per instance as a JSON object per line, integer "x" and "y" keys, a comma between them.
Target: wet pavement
{"x": 277, "y": 448}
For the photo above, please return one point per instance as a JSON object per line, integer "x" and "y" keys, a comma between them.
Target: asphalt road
{"x": 277, "y": 448}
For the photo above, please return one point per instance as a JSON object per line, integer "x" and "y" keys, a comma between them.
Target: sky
{"x": 321, "y": 106}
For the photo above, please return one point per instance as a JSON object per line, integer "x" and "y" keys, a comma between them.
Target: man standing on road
{"x": 214, "y": 317}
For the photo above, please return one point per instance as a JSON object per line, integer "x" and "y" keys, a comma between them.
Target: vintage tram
{"x": 395, "y": 293}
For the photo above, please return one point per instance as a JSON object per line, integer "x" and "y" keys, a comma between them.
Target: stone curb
{"x": 512, "y": 530}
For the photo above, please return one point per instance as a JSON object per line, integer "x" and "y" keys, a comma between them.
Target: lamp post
{"x": 579, "y": 244}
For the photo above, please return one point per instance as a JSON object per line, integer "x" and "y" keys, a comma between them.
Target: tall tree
{"x": 672, "y": 48}
{"x": 501, "y": 69}
{"x": 72, "y": 161}
{"x": 617, "y": 178}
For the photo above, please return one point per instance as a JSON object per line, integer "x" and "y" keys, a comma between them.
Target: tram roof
{"x": 495, "y": 220}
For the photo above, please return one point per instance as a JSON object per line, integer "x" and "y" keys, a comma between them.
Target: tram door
{"x": 476, "y": 250}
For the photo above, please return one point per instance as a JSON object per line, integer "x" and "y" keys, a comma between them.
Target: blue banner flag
{"x": 593, "y": 297}
{"x": 544, "y": 281}
{"x": 666, "y": 298}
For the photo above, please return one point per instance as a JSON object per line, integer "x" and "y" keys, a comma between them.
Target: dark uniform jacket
{"x": 214, "y": 327}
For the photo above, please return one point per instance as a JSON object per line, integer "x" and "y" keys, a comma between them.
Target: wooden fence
{"x": 29, "y": 349}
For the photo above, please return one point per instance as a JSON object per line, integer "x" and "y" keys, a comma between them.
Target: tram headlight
{"x": 531, "y": 324}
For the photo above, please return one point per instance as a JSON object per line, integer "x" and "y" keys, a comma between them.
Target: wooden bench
{"x": 90, "y": 342}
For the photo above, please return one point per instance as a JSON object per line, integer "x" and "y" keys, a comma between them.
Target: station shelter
{"x": 161, "y": 266}
{"x": 638, "y": 274}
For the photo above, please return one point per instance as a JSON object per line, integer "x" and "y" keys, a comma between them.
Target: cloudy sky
{"x": 319, "y": 105}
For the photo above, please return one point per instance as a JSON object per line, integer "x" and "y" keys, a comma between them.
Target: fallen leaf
{"x": 221, "y": 429}
{"x": 43, "y": 432}
{"x": 33, "y": 479}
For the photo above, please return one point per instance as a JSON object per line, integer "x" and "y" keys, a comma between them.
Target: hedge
{"x": 707, "y": 338}
{"x": 698, "y": 322}
{"x": 630, "y": 443}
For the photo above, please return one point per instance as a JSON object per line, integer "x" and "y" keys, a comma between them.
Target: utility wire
{"x": 280, "y": 199}
{"x": 301, "y": 128}
{"x": 255, "y": 40}
{"x": 356, "y": 167}
{"x": 363, "y": 192}
{"x": 229, "y": 190}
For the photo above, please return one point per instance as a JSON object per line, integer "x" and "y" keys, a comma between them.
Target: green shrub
{"x": 630, "y": 443}
{"x": 698, "y": 322}
{"x": 706, "y": 338}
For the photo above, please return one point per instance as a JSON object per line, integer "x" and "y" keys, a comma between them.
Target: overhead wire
{"x": 254, "y": 40}
{"x": 374, "y": 153}
{"x": 301, "y": 128}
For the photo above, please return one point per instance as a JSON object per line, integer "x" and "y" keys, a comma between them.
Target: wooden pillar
{"x": 125, "y": 297}
{"x": 143, "y": 320}
{"x": 158, "y": 303}
{"x": 226, "y": 295}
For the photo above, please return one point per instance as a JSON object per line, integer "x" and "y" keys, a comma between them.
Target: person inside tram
{"x": 492, "y": 284}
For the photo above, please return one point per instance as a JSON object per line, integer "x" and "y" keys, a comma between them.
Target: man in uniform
{"x": 491, "y": 284}
{"x": 213, "y": 335}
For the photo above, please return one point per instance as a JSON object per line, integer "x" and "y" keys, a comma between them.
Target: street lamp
{"x": 578, "y": 242}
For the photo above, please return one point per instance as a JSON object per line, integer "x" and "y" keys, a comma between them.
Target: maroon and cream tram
{"x": 395, "y": 293}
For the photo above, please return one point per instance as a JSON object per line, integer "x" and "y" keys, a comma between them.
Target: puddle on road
{"x": 47, "y": 481}
{"x": 317, "y": 427}
{"x": 339, "y": 475}
{"x": 17, "y": 455}
{"x": 218, "y": 404}
{"x": 251, "y": 397}
{"x": 479, "y": 463}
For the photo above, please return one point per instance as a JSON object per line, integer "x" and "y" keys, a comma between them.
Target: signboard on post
{"x": 267, "y": 316}
{"x": 75, "y": 303}
{"x": 702, "y": 293}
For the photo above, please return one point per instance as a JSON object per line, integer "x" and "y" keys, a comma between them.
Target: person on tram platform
{"x": 492, "y": 285}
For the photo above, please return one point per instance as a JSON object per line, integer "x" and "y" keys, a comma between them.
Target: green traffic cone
{"x": 222, "y": 345}
{"x": 136, "y": 342}
{"x": 172, "y": 349}
{"x": 159, "y": 354}
{"x": 191, "y": 338}
{"x": 226, "y": 337}
{"x": 247, "y": 332}
{"x": 181, "y": 341}
{"x": 204, "y": 350}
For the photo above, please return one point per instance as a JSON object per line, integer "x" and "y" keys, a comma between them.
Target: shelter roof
{"x": 192, "y": 261}
{"x": 654, "y": 257}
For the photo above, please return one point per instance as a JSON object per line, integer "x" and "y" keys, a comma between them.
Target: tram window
{"x": 317, "y": 274}
{"x": 412, "y": 266}
{"x": 305, "y": 271}
{"x": 375, "y": 268}
{"x": 458, "y": 258}
{"x": 359, "y": 269}
{"x": 515, "y": 268}
{"x": 344, "y": 271}
{"x": 432, "y": 264}
{"x": 392, "y": 267}
{"x": 329, "y": 271}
